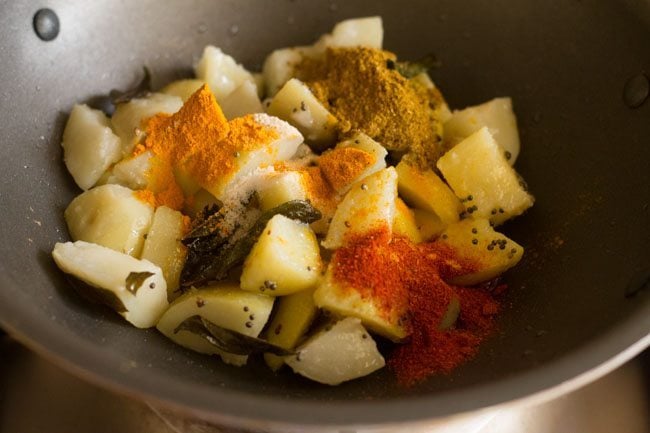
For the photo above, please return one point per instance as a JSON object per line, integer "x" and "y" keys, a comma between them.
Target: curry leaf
{"x": 411, "y": 69}
{"x": 97, "y": 294}
{"x": 228, "y": 340}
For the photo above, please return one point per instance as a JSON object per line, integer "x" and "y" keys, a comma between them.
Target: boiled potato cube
{"x": 405, "y": 224}
{"x": 423, "y": 189}
{"x": 222, "y": 73}
{"x": 243, "y": 100}
{"x": 490, "y": 251}
{"x": 226, "y": 306}
{"x": 428, "y": 224}
{"x": 163, "y": 246}
{"x": 89, "y": 145}
{"x": 137, "y": 288}
{"x": 337, "y": 354}
{"x": 132, "y": 172}
{"x": 496, "y": 115}
{"x": 346, "y": 301}
{"x": 281, "y": 188}
{"x": 128, "y": 117}
{"x": 279, "y": 67}
{"x": 291, "y": 320}
{"x": 479, "y": 173}
{"x": 295, "y": 103}
{"x": 247, "y": 162}
{"x": 366, "y": 32}
{"x": 183, "y": 88}
{"x": 369, "y": 205}
{"x": 351, "y": 161}
{"x": 284, "y": 260}
{"x": 112, "y": 216}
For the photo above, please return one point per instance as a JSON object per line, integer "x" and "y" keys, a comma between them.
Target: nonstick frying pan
{"x": 578, "y": 302}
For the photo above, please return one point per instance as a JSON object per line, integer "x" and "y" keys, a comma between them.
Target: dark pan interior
{"x": 586, "y": 157}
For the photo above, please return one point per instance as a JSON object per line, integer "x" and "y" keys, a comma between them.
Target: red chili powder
{"x": 408, "y": 279}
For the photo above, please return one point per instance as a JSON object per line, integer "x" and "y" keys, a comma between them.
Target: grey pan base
{"x": 586, "y": 157}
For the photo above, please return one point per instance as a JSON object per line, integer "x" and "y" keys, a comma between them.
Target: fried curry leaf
{"x": 135, "y": 280}
{"x": 141, "y": 89}
{"x": 202, "y": 267}
{"x": 411, "y": 69}
{"x": 97, "y": 294}
{"x": 228, "y": 340}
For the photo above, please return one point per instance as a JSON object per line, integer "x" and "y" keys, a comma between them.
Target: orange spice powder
{"x": 343, "y": 165}
{"x": 200, "y": 139}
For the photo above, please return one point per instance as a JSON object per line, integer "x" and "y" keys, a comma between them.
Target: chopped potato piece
{"x": 243, "y": 100}
{"x": 346, "y": 301}
{"x": 442, "y": 111}
{"x": 281, "y": 188}
{"x": 295, "y": 103}
{"x": 183, "y": 88}
{"x": 367, "y": 32}
{"x": 247, "y": 162}
{"x": 405, "y": 224}
{"x": 499, "y": 118}
{"x": 279, "y": 67}
{"x": 128, "y": 117}
{"x": 423, "y": 189}
{"x": 369, "y": 205}
{"x": 291, "y": 320}
{"x": 479, "y": 173}
{"x": 135, "y": 288}
{"x": 336, "y": 354}
{"x": 132, "y": 171}
{"x": 163, "y": 246}
{"x": 222, "y": 73}
{"x": 89, "y": 145}
{"x": 351, "y": 161}
{"x": 428, "y": 224}
{"x": 226, "y": 306}
{"x": 493, "y": 253}
{"x": 284, "y": 260}
{"x": 112, "y": 216}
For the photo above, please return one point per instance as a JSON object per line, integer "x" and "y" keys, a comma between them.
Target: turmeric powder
{"x": 200, "y": 140}
{"x": 362, "y": 89}
{"x": 343, "y": 165}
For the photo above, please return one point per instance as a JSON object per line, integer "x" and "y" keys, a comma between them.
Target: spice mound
{"x": 301, "y": 213}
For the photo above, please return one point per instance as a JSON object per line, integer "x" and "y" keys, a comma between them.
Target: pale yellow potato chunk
{"x": 284, "y": 260}
{"x": 89, "y": 145}
{"x": 279, "y": 67}
{"x": 163, "y": 246}
{"x": 183, "y": 88}
{"x": 263, "y": 154}
{"x": 112, "y": 216}
{"x": 241, "y": 101}
{"x": 128, "y": 117}
{"x": 224, "y": 305}
{"x": 366, "y": 32}
{"x": 293, "y": 316}
{"x": 108, "y": 270}
{"x": 343, "y": 301}
{"x": 474, "y": 239}
{"x": 369, "y": 205}
{"x": 222, "y": 73}
{"x": 423, "y": 189}
{"x": 479, "y": 173}
{"x": 295, "y": 103}
{"x": 281, "y": 188}
{"x": 428, "y": 224}
{"x": 497, "y": 115}
{"x": 405, "y": 224}
{"x": 337, "y": 354}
